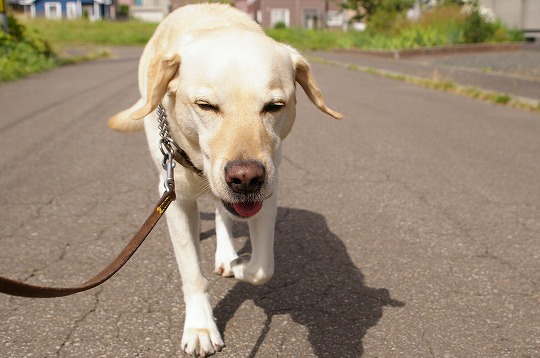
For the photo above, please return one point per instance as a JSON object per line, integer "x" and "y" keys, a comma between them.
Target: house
{"x": 519, "y": 14}
{"x": 66, "y": 9}
{"x": 308, "y": 14}
{"x": 312, "y": 14}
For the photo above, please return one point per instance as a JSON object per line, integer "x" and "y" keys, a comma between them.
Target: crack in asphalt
{"x": 428, "y": 343}
{"x": 504, "y": 262}
{"x": 78, "y": 323}
{"x": 305, "y": 176}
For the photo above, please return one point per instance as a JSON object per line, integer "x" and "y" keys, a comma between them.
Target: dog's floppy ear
{"x": 305, "y": 78}
{"x": 161, "y": 71}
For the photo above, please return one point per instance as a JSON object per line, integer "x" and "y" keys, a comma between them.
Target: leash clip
{"x": 166, "y": 145}
{"x": 168, "y": 165}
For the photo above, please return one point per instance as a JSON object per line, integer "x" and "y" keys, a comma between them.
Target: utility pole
{"x": 3, "y": 15}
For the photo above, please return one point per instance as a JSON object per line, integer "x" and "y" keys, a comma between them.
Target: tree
{"x": 395, "y": 5}
{"x": 362, "y": 7}
{"x": 366, "y": 8}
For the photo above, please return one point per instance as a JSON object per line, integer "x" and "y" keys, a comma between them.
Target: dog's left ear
{"x": 305, "y": 78}
{"x": 162, "y": 70}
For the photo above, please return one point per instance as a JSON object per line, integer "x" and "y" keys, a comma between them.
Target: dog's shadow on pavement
{"x": 316, "y": 284}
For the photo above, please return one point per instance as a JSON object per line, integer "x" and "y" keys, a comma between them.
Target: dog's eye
{"x": 205, "y": 106}
{"x": 273, "y": 107}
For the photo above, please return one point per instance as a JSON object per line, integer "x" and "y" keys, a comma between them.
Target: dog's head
{"x": 233, "y": 93}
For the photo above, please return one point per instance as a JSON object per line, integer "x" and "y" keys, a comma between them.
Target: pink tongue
{"x": 247, "y": 209}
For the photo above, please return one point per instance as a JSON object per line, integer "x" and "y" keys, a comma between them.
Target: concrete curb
{"x": 439, "y": 50}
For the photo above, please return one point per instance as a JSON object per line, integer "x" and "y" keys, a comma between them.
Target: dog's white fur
{"x": 229, "y": 93}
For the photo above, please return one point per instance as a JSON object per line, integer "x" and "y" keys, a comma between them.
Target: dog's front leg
{"x": 225, "y": 252}
{"x": 201, "y": 335}
{"x": 259, "y": 268}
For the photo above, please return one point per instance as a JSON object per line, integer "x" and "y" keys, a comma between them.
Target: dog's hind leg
{"x": 225, "y": 252}
{"x": 201, "y": 335}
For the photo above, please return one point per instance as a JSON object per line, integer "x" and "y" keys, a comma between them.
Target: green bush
{"x": 23, "y": 51}
{"x": 477, "y": 29}
{"x": 442, "y": 25}
{"x": 123, "y": 10}
{"x": 280, "y": 25}
{"x": 389, "y": 16}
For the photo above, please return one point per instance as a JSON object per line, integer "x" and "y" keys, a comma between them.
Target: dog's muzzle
{"x": 245, "y": 178}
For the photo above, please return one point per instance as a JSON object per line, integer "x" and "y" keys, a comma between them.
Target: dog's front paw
{"x": 201, "y": 336}
{"x": 244, "y": 269}
{"x": 224, "y": 258}
{"x": 201, "y": 342}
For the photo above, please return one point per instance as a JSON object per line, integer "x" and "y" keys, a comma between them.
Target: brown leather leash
{"x": 171, "y": 151}
{"x": 17, "y": 288}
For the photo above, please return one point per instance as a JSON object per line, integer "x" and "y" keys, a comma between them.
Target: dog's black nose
{"x": 244, "y": 176}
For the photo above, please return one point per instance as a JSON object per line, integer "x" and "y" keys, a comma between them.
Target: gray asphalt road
{"x": 411, "y": 228}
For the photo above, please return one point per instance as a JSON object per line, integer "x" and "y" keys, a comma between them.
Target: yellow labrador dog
{"x": 229, "y": 93}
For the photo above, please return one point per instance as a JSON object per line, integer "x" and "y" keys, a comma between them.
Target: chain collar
{"x": 171, "y": 150}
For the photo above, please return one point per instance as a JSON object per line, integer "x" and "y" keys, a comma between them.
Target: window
{"x": 71, "y": 10}
{"x": 280, "y": 16}
{"x": 334, "y": 18}
{"x": 53, "y": 10}
{"x": 311, "y": 19}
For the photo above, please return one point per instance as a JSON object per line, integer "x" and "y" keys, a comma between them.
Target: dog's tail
{"x": 122, "y": 121}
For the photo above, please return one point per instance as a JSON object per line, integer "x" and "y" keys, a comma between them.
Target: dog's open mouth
{"x": 244, "y": 209}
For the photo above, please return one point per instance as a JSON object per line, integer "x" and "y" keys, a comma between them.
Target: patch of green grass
{"x": 84, "y": 32}
{"x": 89, "y": 56}
{"x": 502, "y": 98}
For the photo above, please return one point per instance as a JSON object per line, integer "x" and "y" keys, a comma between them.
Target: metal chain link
{"x": 171, "y": 151}
{"x": 167, "y": 147}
